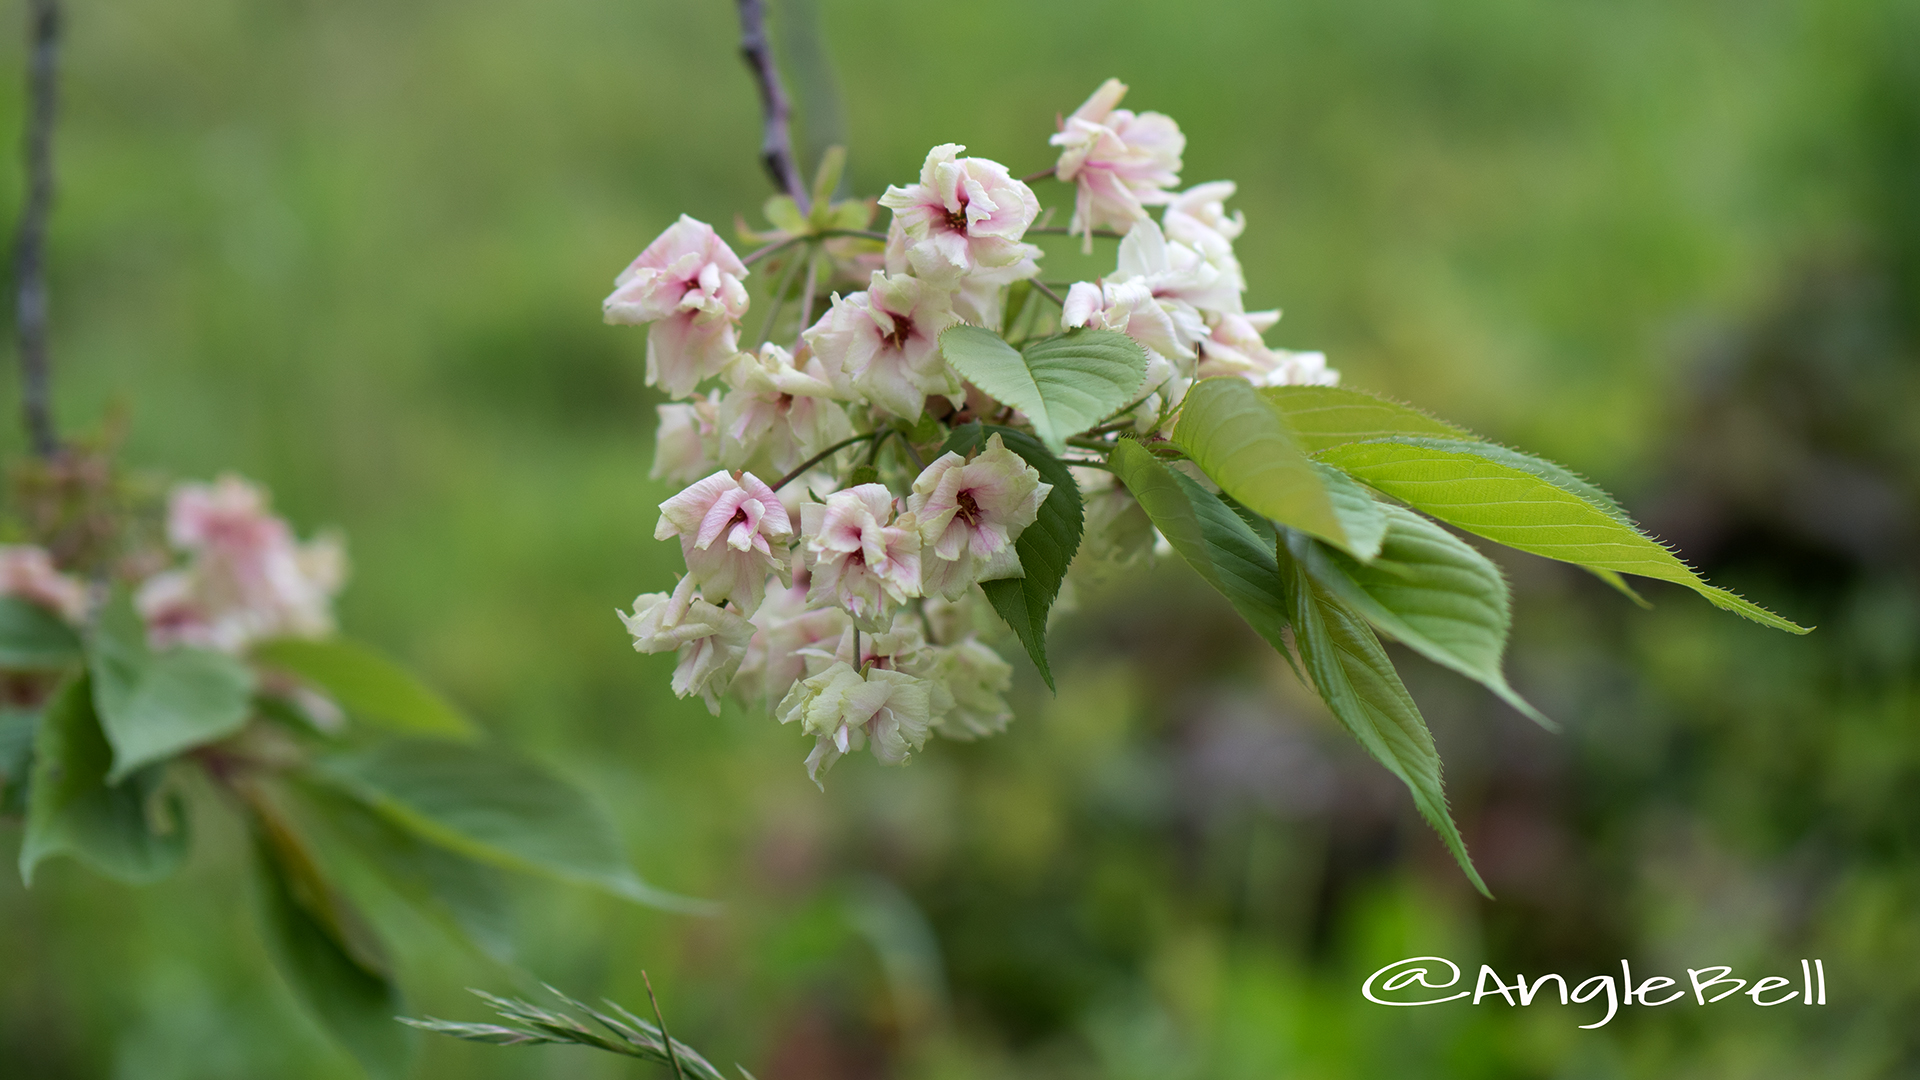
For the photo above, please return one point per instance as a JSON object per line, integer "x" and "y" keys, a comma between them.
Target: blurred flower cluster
{"x": 844, "y": 598}
{"x": 230, "y": 574}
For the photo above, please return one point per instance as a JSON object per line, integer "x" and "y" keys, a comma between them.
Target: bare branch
{"x": 29, "y": 253}
{"x": 776, "y": 146}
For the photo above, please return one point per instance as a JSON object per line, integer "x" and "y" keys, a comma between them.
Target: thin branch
{"x": 1061, "y": 230}
{"x": 823, "y": 455}
{"x": 29, "y": 258}
{"x": 776, "y": 144}
{"x": 1041, "y": 175}
{"x": 1048, "y": 293}
{"x": 779, "y": 298}
{"x": 806, "y": 296}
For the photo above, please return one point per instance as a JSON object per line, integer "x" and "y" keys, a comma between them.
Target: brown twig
{"x": 776, "y": 145}
{"x": 29, "y": 253}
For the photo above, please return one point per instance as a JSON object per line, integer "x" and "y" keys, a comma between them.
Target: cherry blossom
{"x": 970, "y": 514}
{"x": 860, "y": 553}
{"x": 686, "y": 440}
{"x": 965, "y": 215}
{"x": 1120, "y": 162}
{"x": 744, "y": 512}
{"x": 884, "y": 343}
{"x": 779, "y": 410}
{"x": 248, "y": 579}
{"x": 845, "y": 708}
{"x": 27, "y": 571}
{"x": 687, "y": 284}
{"x": 711, "y": 641}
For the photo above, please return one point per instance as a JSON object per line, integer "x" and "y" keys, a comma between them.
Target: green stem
{"x": 822, "y": 456}
{"x": 779, "y": 301}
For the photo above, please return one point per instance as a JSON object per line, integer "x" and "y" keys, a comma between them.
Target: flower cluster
{"x": 820, "y": 588}
{"x": 244, "y": 577}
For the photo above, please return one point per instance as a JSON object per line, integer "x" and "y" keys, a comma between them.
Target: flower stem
{"x": 1041, "y": 175}
{"x": 779, "y": 299}
{"x": 822, "y": 456}
{"x": 1041, "y": 287}
{"x": 1061, "y": 230}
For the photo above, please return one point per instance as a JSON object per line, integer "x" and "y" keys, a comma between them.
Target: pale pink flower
{"x": 981, "y": 297}
{"x": 27, "y": 571}
{"x": 687, "y": 283}
{"x": 965, "y": 214}
{"x": 1235, "y": 347}
{"x": 728, "y": 528}
{"x": 786, "y": 632}
{"x": 686, "y": 442}
{"x": 884, "y": 343}
{"x": 711, "y": 641}
{"x": 248, "y": 578}
{"x": 1130, "y": 308}
{"x": 844, "y": 709}
{"x": 1198, "y": 215}
{"x": 968, "y": 683}
{"x": 778, "y": 410}
{"x": 861, "y": 555}
{"x": 1185, "y": 283}
{"x": 970, "y": 514}
{"x": 1121, "y": 162}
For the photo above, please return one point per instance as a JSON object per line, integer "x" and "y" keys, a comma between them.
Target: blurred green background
{"x": 355, "y": 249}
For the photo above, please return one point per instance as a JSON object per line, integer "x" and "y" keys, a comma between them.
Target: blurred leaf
{"x": 1241, "y": 442}
{"x": 494, "y": 807}
{"x": 1361, "y": 515}
{"x": 1324, "y": 416}
{"x": 1429, "y": 591}
{"x": 1213, "y": 539}
{"x": 367, "y": 684}
{"x": 465, "y": 896}
{"x": 18, "y": 729}
{"x": 305, "y": 920}
{"x": 1046, "y": 548}
{"x": 1064, "y": 384}
{"x": 1357, "y": 681}
{"x": 33, "y": 638}
{"x": 126, "y": 831}
{"x": 155, "y": 705}
{"x": 1462, "y": 485}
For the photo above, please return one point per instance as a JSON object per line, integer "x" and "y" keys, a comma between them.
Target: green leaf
{"x": 1463, "y": 485}
{"x": 33, "y": 638}
{"x": 1241, "y": 442}
{"x": 129, "y": 831}
{"x": 318, "y": 944}
{"x": 1221, "y": 546}
{"x": 1361, "y": 515}
{"x": 1046, "y": 548}
{"x": 1358, "y": 683}
{"x": 494, "y": 807}
{"x": 18, "y": 730}
{"x": 1064, "y": 384}
{"x": 1324, "y": 416}
{"x": 155, "y": 705}
{"x": 1431, "y": 592}
{"x": 465, "y": 896}
{"x": 367, "y": 684}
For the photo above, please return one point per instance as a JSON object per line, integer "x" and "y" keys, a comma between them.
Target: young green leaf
{"x": 367, "y": 684}
{"x": 1064, "y": 384}
{"x": 1241, "y": 442}
{"x": 1046, "y": 548}
{"x": 466, "y": 897}
{"x": 33, "y": 638}
{"x": 128, "y": 831}
{"x": 1215, "y": 541}
{"x": 493, "y": 807}
{"x": 306, "y": 926}
{"x": 155, "y": 705}
{"x": 1324, "y": 416}
{"x": 1463, "y": 486}
{"x": 1358, "y": 683}
{"x": 1429, "y": 591}
{"x": 18, "y": 728}
{"x": 1361, "y": 515}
